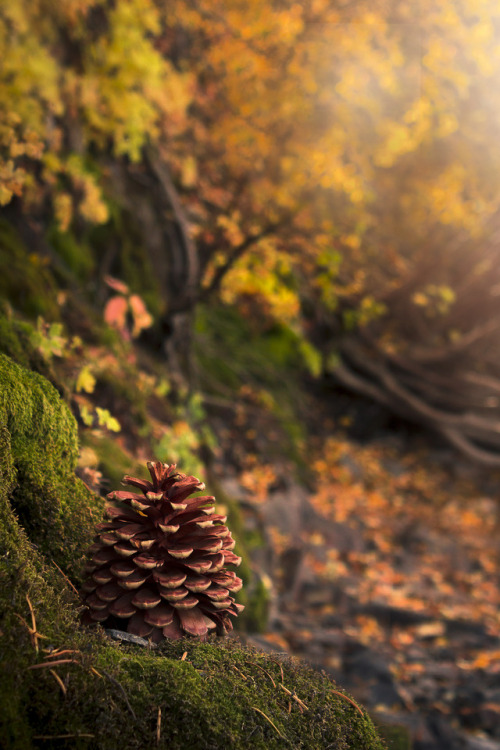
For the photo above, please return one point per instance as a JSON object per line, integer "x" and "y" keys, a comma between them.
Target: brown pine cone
{"x": 159, "y": 563}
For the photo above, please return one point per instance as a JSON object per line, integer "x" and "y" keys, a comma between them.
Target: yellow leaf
{"x": 85, "y": 380}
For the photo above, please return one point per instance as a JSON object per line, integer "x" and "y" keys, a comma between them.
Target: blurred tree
{"x": 330, "y": 165}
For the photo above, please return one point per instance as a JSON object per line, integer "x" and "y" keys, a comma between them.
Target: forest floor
{"x": 386, "y": 576}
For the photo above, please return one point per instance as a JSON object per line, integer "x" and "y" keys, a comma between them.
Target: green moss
{"x": 53, "y": 506}
{"x": 76, "y": 255}
{"x": 218, "y": 696}
{"x": 16, "y": 341}
{"x": 25, "y": 277}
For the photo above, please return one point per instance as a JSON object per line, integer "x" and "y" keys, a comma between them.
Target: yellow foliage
{"x": 120, "y": 90}
{"x": 271, "y": 113}
{"x": 63, "y": 209}
{"x": 262, "y": 275}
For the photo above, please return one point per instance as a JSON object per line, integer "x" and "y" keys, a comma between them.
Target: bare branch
{"x": 189, "y": 260}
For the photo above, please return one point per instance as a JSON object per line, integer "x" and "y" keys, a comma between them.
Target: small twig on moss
{"x": 67, "y": 580}
{"x": 158, "y": 726}
{"x": 294, "y": 696}
{"x": 121, "y": 688}
{"x": 281, "y": 669}
{"x": 183, "y": 657}
{"x": 50, "y": 664}
{"x": 94, "y": 671}
{"x": 53, "y": 659}
{"x": 349, "y": 700}
{"x": 56, "y": 653}
{"x": 269, "y": 720}
{"x": 32, "y": 612}
{"x": 34, "y": 634}
{"x": 240, "y": 673}
{"x": 262, "y": 668}
{"x": 58, "y": 680}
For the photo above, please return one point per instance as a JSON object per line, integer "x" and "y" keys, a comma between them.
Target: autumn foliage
{"x": 331, "y": 168}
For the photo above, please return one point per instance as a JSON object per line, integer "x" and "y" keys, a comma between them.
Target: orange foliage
{"x": 396, "y": 498}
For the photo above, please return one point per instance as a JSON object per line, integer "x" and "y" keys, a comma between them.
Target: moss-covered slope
{"x": 104, "y": 693}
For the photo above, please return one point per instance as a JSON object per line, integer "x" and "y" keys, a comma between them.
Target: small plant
{"x": 159, "y": 564}
{"x": 125, "y": 311}
{"x": 50, "y": 341}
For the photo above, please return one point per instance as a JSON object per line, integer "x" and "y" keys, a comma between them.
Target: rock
{"x": 389, "y": 615}
{"x": 480, "y": 743}
{"x": 121, "y": 635}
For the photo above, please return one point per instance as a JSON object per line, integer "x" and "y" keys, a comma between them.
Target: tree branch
{"x": 237, "y": 252}
{"x": 188, "y": 261}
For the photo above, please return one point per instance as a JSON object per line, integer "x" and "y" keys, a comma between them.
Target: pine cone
{"x": 159, "y": 562}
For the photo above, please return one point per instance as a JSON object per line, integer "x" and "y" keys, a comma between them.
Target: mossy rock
{"x": 103, "y": 693}
{"x": 39, "y": 456}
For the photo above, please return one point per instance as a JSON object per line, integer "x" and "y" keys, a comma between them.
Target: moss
{"x": 76, "y": 255}
{"x": 15, "y": 340}
{"x": 110, "y": 693}
{"x": 25, "y": 277}
{"x": 53, "y": 506}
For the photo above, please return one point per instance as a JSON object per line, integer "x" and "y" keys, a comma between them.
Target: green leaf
{"x": 86, "y": 416}
{"x": 105, "y": 419}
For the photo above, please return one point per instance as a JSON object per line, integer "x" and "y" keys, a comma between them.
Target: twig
{"x": 183, "y": 657}
{"x": 34, "y": 635}
{"x": 263, "y": 670}
{"x": 281, "y": 668}
{"x": 349, "y": 700}
{"x": 32, "y": 612}
{"x": 121, "y": 688}
{"x": 269, "y": 720}
{"x": 294, "y": 696}
{"x": 58, "y": 680}
{"x": 67, "y": 580}
{"x": 50, "y": 664}
{"x": 158, "y": 726}
{"x": 58, "y": 652}
{"x": 240, "y": 673}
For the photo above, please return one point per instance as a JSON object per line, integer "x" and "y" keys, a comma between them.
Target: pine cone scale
{"x": 123, "y": 607}
{"x": 160, "y": 616}
{"x": 193, "y": 622}
{"x": 137, "y": 626}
